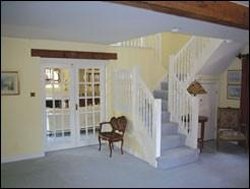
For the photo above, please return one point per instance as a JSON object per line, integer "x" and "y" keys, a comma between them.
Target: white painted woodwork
{"x": 73, "y": 107}
{"x": 183, "y": 69}
{"x": 208, "y": 107}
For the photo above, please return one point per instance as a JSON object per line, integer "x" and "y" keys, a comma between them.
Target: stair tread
{"x": 164, "y": 81}
{"x": 161, "y": 90}
{"x": 172, "y": 140}
{"x": 164, "y": 85}
{"x": 177, "y": 157}
{"x": 170, "y": 123}
{"x": 160, "y": 94}
{"x": 176, "y": 152}
{"x": 173, "y": 135}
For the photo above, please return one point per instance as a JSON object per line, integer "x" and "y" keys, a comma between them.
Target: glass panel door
{"x": 59, "y": 131}
{"x": 89, "y": 103}
{"x": 74, "y": 103}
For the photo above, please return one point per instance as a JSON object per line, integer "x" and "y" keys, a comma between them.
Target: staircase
{"x": 174, "y": 152}
{"x": 160, "y": 134}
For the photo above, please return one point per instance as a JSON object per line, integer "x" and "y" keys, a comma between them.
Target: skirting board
{"x": 22, "y": 157}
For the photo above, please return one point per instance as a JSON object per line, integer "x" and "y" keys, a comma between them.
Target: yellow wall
{"x": 21, "y": 131}
{"x": 223, "y": 101}
{"x": 150, "y": 70}
{"x": 171, "y": 44}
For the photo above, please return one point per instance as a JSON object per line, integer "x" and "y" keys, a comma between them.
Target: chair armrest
{"x": 103, "y": 123}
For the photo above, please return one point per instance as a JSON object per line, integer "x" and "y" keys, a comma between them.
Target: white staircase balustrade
{"x": 151, "y": 41}
{"x": 122, "y": 90}
{"x": 183, "y": 68}
{"x": 135, "y": 100}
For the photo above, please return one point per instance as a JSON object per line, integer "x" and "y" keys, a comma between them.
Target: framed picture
{"x": 233, "y": 92}
{"x": 9, "y": 83}
{"x": 234, "y": 77}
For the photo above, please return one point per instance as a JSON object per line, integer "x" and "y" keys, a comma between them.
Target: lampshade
{"x": 196, "y": 88}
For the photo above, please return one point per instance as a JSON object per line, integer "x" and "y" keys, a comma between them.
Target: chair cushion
{"x": 110, "y": 136}
{"x": 228, "y": 134}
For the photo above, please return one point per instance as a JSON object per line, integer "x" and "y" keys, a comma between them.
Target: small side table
{"x": 202, "y": 120}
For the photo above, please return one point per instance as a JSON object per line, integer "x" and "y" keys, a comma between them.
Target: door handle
{"x": 76, "y": 106}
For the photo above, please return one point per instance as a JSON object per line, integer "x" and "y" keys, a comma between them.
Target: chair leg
{"x": 99, "y": 139}
{"x": 121, "y": 146}
{"x": 110, "y": 148}
{"x": 113, "y": 145}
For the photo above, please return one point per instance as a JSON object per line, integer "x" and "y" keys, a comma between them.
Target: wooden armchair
{"x": 229, "y": 127}
{"x": 118, "y": 126}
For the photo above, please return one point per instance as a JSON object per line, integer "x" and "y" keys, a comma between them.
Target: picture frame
{"x": 233, "y": 92}
{"x": 9, "y": 83}
{"x": 234, "y": 77}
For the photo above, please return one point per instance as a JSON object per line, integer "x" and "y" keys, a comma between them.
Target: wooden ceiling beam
{"x": 220, "y": 12}
{"x": 45, "y": 53}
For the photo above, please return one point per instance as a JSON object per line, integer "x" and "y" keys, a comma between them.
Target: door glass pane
{"x": 81, "y": 75}
{"x": 58, "y": 104}
{"x": 89, "y": 77}
{"x": 89, "y": 90}
{"x": 65, "y": 104}
{"x": 97, "y": 101}
{"x": 97, "y": 90}
{"x": 82, "y": 103}
{"x": 81, "y": 89}
{"x": 97, "y": 76}
{"x": 89, "y": 104}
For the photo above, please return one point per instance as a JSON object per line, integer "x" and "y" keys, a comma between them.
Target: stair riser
{"x": 165, "y": 117}
{"x": 169, "y": 129}
{"x": 164, "y": 105}
{"x": 170, "y": 163}
{"x": 161, "y": 94}
{"x": 174, "y": 141}
{"x": 164, "y": 85}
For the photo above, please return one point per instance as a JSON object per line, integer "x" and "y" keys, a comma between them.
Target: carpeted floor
{"x": 87, "y": 167}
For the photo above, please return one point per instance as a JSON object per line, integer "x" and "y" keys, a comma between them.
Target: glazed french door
{"x": 89, "y": 101}
{"x": 74, "y": 101}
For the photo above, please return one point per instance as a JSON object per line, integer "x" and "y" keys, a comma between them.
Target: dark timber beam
{"x": 73, "y": 54}
{"x": 220, "y": 12}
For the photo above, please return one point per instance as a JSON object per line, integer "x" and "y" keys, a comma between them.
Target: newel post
{"x": 157, "y": 125}
{"x": 195, "y": 122}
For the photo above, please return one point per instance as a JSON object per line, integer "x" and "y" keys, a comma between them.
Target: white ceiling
{"x": 100, "y": 22}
